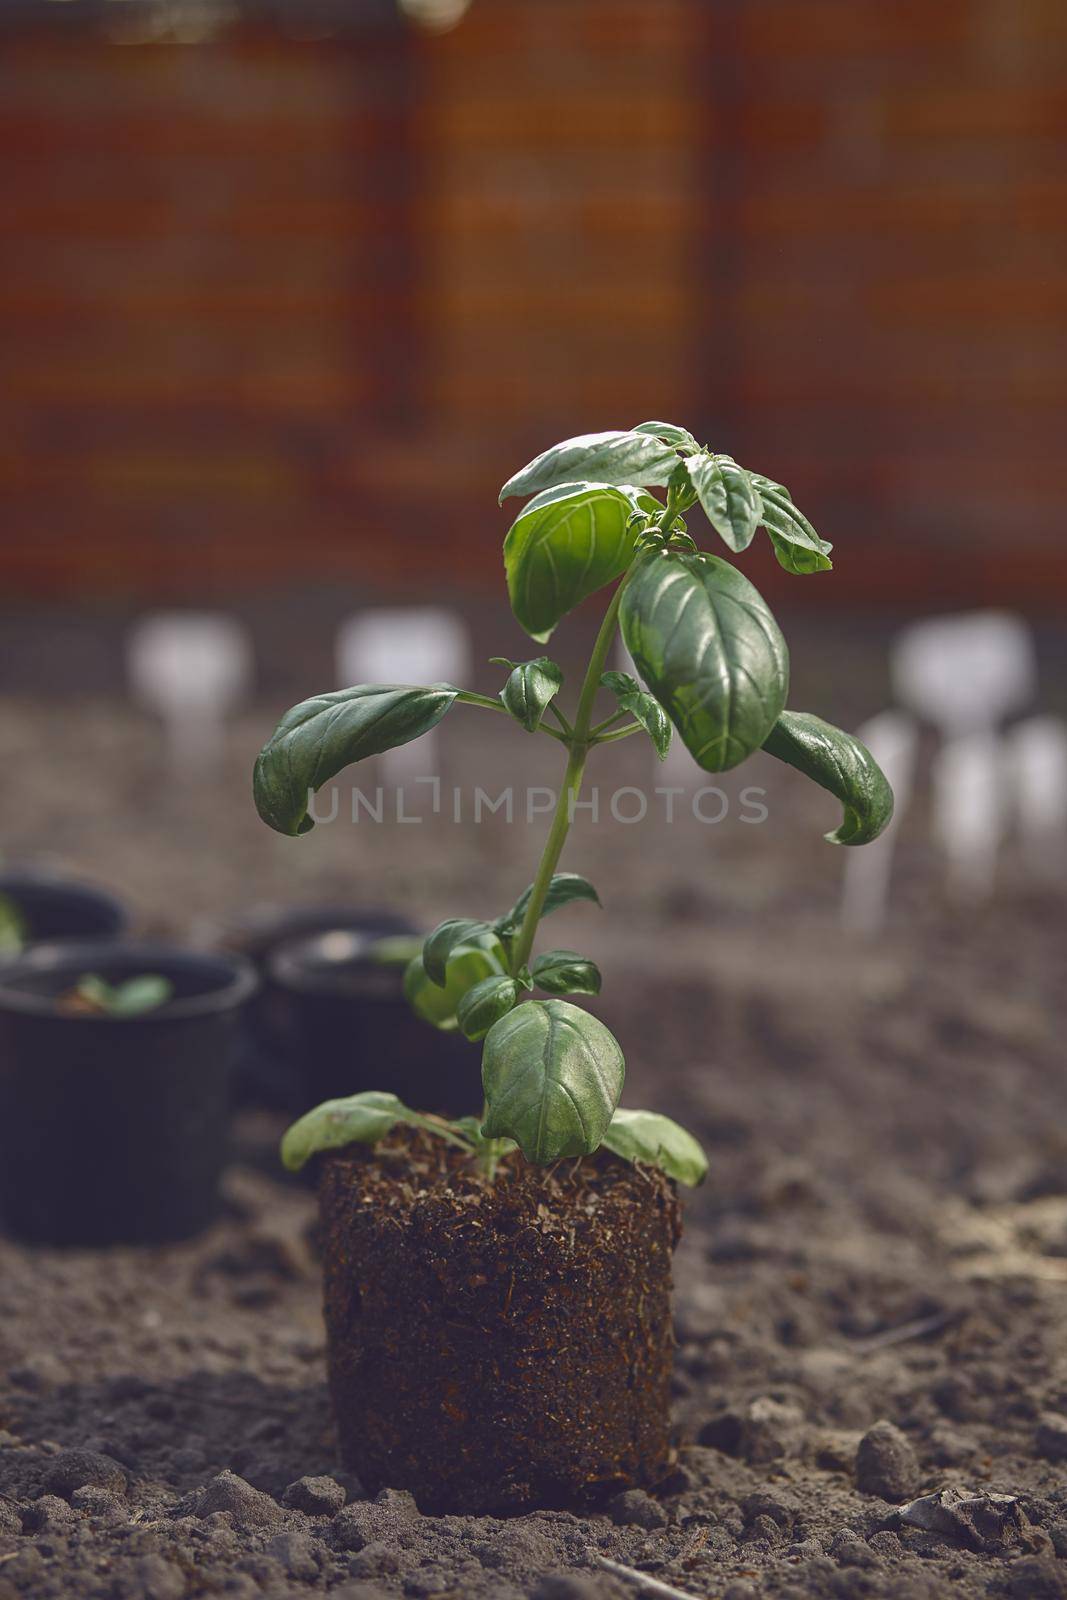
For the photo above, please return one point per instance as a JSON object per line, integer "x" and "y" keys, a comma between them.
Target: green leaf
{"x": 439, "y": 944}
{"x": 796, "y": 544}
{"x": 552, "y": 1076}
{"x": 642, "y": 706}
{"x": 320, "y": 736}
{"x": 613, "y": 457}
{"x": 485, "y": 1004}
{"x": 646, "y": 1136}
{"x": 562, "y": 889}
{"x": 359, "y": 1119}
{"x": 729, "y": 497}
{"x": 12, "y": 926}
{"x": 468, "y": 964}
{"x": 670, "y": 433}
{"x": 841, "y": 764}
{"x": 529, "y": 689}
{"x": 566, "y": 544}
{"x": 132, "y": 998}
{"x": 707, "y": 646}
{"x": 566, "y": 972}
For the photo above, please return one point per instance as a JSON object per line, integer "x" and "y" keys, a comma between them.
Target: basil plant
{"x": 712, "y": 665}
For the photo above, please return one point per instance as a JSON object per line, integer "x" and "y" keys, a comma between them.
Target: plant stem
{"x": 468, "y": 697}
{"x": 618, "y": 733}
{"x": 572, "y": 784}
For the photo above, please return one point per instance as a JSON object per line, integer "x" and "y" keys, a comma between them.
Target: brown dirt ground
{"x": 883, "y": 1237}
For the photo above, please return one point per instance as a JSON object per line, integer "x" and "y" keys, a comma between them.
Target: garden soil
{"x": 870, "y": 1388}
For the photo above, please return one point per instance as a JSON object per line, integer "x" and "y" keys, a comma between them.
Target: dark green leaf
{"x": 552, "y": 1076}
{"x": 320, "y": 736}
{"x": 841, "y": 764}
{"x": 467, "y": 965}
{"x": 529, "y": 689}
{"x": 646, "y": 1136}
{"x": 566, "y": 972}
{"x": 796, "y": 544}
{"x": 359, "y": 1119}
{"x": 707, "y": 646}
{"x": 612, "y": 457}
{"x": 439, "y": 944}
{"x": 562, "y": 889}
{"x": 677, "y": 438}
{"x": 642, "y": 706}
{"x": 566, "y": 544}
{"x": 485, "y": 1004}
{"x": 728, "y": 495}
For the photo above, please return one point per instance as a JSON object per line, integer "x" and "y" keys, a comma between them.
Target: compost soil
{"x": 530, "y": 1363}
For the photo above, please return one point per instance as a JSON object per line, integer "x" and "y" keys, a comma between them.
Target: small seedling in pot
{"x": 712, "y": 663}
{"x": 713, "y": 666}
{"x": 133, "y": 997}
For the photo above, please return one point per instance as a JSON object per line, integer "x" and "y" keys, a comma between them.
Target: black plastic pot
{"x": 354, "y": 1030}
{"x": 268, "y": 1069}
{"x": 54, "y": 907}
{"x": 114, "y": 1130}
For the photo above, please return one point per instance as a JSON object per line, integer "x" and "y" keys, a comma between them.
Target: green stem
{"x": 618, "y": 733}
{"x": 572, "y": 784}
{"x": 608, "y": 722}
{"x": 468, "y": 697}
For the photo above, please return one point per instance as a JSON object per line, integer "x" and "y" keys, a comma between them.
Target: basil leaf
{"x": 677, "y": 438}
{"x": 320, "y": 736}
{"x": 566, "y": 972}
{"x": 552, "y": 1076}
{"x": 468, "y": 964}
{"x": 529, "y": 689}
{"x": 646, "y": 1136}
{"x": 485, "y": 1004}
{"x": 566, "y": 544}
{"x": 729, "y": 497}
{"x": 439, "y": 944}
{"x": 642, "y": 706}
{"x": 796, "y": 544}
{"x": 562, "y": 889}
{"x": 840, "y": 764}
{"x": 358, "y": 1119}
{"x": 707, "y": 646}
{"x": 612, "y": 457}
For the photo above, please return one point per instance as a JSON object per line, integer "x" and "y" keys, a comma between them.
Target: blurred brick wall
{"x": 263, "y": 300}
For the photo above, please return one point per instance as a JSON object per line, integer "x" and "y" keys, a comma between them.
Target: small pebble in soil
{"x": 763, "y": 1431}
{"x": 77, "y": 1469}
{"x": 376, "y": 1560}
{"x": 1050, "y": 1440}
{"x": 568, "y": 1586}
{"x": 1037, "y": 1578}
{"x": 50, "y": 1514}
{"x": 850, "y": 1549}
{"x": 886, "y": 1464}
{"x": 637, "y": 1507}
{"x": 296, "y": 1552}
{"x": 100, "y": 1504}
{"x": 316, "y": 1497}
{"x": 250, "y": 1508}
